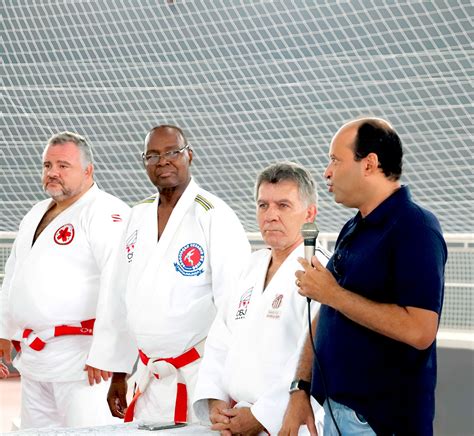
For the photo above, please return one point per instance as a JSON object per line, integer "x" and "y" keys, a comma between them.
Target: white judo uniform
{"x": 253, "y": 346}
{"x": 52, "y": 282}
{"x": 164, "y": 296}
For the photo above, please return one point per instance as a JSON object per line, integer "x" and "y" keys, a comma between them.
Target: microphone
{"x": 310, "y": 232}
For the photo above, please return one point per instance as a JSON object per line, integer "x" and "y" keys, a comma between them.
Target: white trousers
{"x": 64, "y": 404}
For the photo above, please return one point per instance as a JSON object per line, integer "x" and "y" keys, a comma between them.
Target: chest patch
{"x": 190, "y": 260}
{"x": 275, "y": 311}
{"x": 64, "y": 235}
{"x": 243, "y": 304}
{"x": 130, "y": 245}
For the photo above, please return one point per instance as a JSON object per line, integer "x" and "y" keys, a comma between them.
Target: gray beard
{"x": 58, "y": 194}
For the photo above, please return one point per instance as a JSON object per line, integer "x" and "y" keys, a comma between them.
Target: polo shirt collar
{"x": 387, "y": 209}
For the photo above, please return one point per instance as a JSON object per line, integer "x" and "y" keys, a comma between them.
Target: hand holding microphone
{"x": 310, "y": 233}
{"x": 315, "y": 282}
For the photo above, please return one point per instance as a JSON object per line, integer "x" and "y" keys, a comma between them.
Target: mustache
{"x": 53, "y": 180}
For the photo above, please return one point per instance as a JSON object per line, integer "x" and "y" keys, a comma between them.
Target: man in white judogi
{"x": 252, "y": 348}
{"x": 59, "y": 263}
{"x": 182, "y": 250}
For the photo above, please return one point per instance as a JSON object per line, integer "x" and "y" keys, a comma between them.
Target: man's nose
{"x": 163, "y": 161}
{"x": 327, "y": 173}
{"x": 272, "y": 214}
{"x": 52, "y": 171}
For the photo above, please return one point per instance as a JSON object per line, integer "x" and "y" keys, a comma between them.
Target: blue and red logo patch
{"x": 190, "y": 259}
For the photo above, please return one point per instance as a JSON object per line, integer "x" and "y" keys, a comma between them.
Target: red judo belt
{"x": 38, "y": 340}
{"x": 161, "y": 368}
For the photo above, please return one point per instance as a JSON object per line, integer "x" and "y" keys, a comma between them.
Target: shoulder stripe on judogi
{"x": 206, "y": 204}
{"x": 150, "y": 199}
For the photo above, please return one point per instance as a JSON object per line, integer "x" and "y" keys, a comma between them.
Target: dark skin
{"x": 171, "y": 178}
{"x": 117, "y": 395}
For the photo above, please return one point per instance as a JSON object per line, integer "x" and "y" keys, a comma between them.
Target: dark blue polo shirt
{"x": 394, "y": 255}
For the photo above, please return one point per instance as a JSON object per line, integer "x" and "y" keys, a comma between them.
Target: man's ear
{"x": 371, "y": 163}
{"x": 190, "y": 155}
{"x": 311, "y": 213}
{"x": 89, "y": 171}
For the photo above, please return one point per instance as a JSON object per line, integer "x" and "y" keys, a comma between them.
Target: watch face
{"x": 300, "y": 385}
{"x": 294, "y": 386}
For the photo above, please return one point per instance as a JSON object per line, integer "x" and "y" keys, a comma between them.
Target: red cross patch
{"x": 64, "y": 235}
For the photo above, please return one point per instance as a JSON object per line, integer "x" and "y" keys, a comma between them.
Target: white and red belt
{"x": 161, "y": 368}
{"x": 38, "y": 340}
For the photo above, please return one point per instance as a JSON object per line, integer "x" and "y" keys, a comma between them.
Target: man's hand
{"x": 3, "y": 371}
{"x": 216, "y": 415}
{"x": 316, "y": 282}
{"x": 117, "y": 395}
{"x": 6, "y": 351}
{"x": 242, "y": 422}
{"x": 414, "y": 326}
{"x": 299, "y": 412}
{"x": 96, "y": 375}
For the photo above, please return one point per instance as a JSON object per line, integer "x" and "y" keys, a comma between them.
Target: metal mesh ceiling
{"x": 251, "y": 82}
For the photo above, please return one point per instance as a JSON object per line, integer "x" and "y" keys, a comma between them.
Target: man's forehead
{"x": 65, "y": 151}
{"x": 164, "y": 137}
{"x": 284, "y": 189}
{"x": 344, "y": 138}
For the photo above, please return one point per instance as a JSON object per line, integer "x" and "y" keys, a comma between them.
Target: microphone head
{"x": 309, "y": 231}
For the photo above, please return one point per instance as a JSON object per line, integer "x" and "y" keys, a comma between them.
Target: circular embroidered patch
{"x": 64, "y": 235}
{"x": 190, "y": 259}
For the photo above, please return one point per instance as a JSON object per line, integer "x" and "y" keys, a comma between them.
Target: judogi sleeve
{"x": 113, "y": 348}
{"x": 105, "y": 229}
{"x": 210, "y": 378}
{"x": 229, "y": 250}
{"x": 6, "y": 328}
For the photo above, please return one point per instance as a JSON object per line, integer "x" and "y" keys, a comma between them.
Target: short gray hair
{"x": 293, "y": 172}
{"x": 81, "y": 143}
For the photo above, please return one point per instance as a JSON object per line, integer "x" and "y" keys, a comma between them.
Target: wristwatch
{"x": 300, "y": 385}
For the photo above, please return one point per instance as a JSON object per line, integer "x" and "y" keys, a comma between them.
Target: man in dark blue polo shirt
{"x": 381, "y": 297}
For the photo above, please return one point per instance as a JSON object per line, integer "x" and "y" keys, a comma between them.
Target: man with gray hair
{"x": 58, "y": 266}
{"x": 252, "y": 348}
